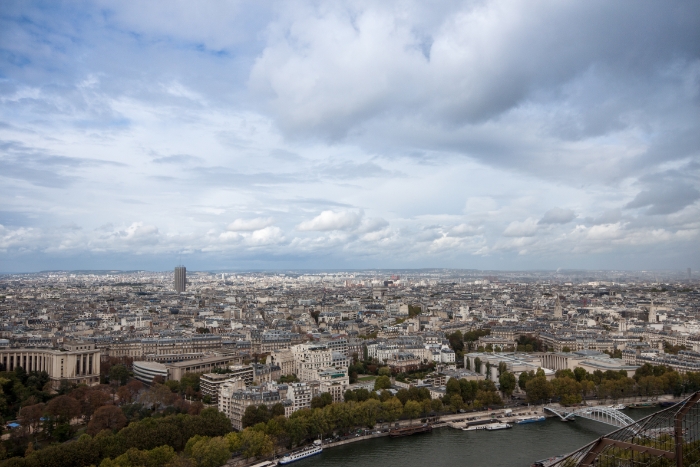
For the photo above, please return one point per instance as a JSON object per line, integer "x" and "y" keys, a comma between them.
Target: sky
{"x": 230, "y": 135}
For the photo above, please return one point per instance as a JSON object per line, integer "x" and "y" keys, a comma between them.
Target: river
{"x": 447, "y": 447}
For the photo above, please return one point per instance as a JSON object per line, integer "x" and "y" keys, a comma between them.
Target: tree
{"x": 502, "y": 368}
{"x": 349, "y": 395}
{"x": 538, "y": 389}
{"x": 30, "y": 416}
{"x": 63, "y": 409}
{"x": 384, "y": 371}
{"x": 391, "y": 409}
{"x": 189, "y": 383}
{"x": 92, "y": 400}
{"x": 158, "y": 395}
{"x": 383, "y": 382}
{"x": 118, "y": 374}
{"x": 108, "y": 417}
{"x": 468, "y": 390}
{"x": 321, "y": 400}
{"x": 412, "y": 409}
{"x": 208, "y": 452}
{"x": 524, "y": 377}
{"x": 477, "y": 365}
{"x": 368, "y": 412}
{"x": 255, "y": 414}
{"x": 507, "y": 383}
{"x": 568, "y": 389}
{"x": 128, "y": 393}
{"x": 453, "y": 387}
{"x": 277, "y": 410}
{"x": 456, "y": 402}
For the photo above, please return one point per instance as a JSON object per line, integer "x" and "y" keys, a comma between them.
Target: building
{"x": 180, "y": 281}
{"x": 146, "y": 371}
{"x": 75, "y": 362}
{"x": 234, "y": 398}
{"x": 300, "y": 394}
{"x": 308, "y": 358}
{"x": 284, "y": 359}
{"x": 590, "y": 360}
{"x": 203, "y": 365}
{"x": 487, "y": 363}
{"x": 210, "y": 384}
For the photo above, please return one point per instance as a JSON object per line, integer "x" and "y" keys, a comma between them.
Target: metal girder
{"x": 678, "y": 426}
{"x": 604, "y": 442}
{"x": 598, "y": 414}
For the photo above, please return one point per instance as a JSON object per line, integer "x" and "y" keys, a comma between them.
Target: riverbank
{"x": 453, "y": 421}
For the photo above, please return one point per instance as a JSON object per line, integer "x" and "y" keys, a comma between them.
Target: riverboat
{"x": 316, "y": 448}
{"x": 498, "y": 426}
{"x": 480, "y": 425}
{"x": 410, "y": 430}
{"x": 642, "y": 405}
{"x": 617, "y": 406}
{"x": 533, "y": 419}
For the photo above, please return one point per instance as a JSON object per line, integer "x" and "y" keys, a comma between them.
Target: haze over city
{"x": 330, "y": 135}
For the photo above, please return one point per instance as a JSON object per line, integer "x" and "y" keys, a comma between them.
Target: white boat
{"x": 533, "y": 419}
{"x": 498, "y": 426}
{"x": 302, "y": 453}
{"x": 617, "y": 406}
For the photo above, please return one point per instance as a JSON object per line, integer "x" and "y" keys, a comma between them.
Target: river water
{"x": 447, "y": 447}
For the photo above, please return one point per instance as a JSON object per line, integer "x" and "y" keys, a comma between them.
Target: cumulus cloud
{"x": 247, "y": 225}
{"x": 266, "y": 236}
{"x": 332, "y": 220}
{"x": 665, "y": 199}
{"x": 526, "y": 228}
{"x": 464, "y": 230}
{"x": 557, "y": 216}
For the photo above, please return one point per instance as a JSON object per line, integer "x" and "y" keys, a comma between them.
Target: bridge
{"x": 600, "y": 414}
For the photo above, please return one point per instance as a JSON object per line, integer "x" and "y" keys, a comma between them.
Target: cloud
{"x": 464, "y": 230}
{"x": 332, "y": 220}
{"x": 266, "y": 236}
{"x": 177, "y": 159}
{"x": 557, "y": 216}
{"x": 376, "y": 134}
{"x": 665, "y": 199}
{"x": 526, "y": 228}
{"x": 247, "y": 225}
{"x": 372, "y": 225}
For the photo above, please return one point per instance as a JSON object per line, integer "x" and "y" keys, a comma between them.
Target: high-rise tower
{"x": 180, "y": 279}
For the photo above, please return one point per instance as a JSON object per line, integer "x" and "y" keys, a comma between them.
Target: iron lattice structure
{"x": 670, "y": 437}
{"x": 600, "y": 414}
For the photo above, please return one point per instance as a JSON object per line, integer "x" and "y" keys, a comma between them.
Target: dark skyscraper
{"x": 180, "y": 279}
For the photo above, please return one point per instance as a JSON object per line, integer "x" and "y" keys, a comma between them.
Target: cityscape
{"x": 400, "y": 348}
{"x": 349, "y": 233}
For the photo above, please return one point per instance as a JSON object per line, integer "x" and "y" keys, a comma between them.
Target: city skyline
{"x": 273, "y": 136}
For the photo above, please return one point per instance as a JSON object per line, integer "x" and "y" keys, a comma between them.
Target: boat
{"x": 498, "y": 426}
{"x": 533, "y": 419}
{"x": 309, "y": 451}
{"x": 480, "y": 425}
{"x": 642, "y": 405}
{"x": 617, "y": 406}
{"x": 410, "y": 430}
{"x": 667, "y": 403}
